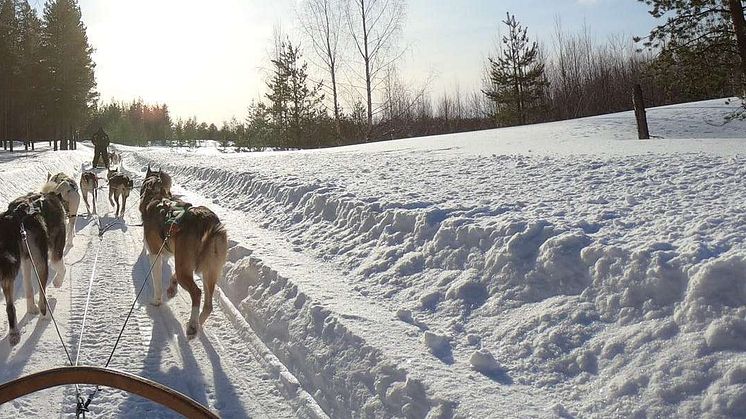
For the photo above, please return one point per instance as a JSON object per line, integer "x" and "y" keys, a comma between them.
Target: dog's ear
{"x": 49, "y": 176}
{"x": 149, "y": 172}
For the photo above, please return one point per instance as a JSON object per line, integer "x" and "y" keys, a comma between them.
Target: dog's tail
{"x": 213, "y": 248}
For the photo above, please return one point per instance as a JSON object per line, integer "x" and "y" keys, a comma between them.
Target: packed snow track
{"x": 225, "y": 368}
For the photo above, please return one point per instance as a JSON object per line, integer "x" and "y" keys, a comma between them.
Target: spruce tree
{"x": 516, "y": 76}
{"x": 9, "y": 70}
{"x": 295, "y": 105}
{"x": 69, "y": 88}
{"x": 30, "y": 63}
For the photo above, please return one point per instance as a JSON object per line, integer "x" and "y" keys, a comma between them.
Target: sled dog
{"x": 193, "y": 235}
{"x": 68, "y": 189}
{"x": 120, "y": 186}
{"x": 89, "y": 184}
{"x": 114, "y": 159}
{"x": 164, "y": 177}
{"x": 42, "y": 217}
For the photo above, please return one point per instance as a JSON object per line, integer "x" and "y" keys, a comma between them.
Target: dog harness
{"x": 173, "y": 213}
{"x": 24, "y": 210}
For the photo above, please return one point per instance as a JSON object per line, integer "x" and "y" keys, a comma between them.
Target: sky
{"x": 210, "y": 59}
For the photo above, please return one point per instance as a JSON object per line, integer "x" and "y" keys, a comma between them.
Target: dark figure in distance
{"x": 101, "y": 145}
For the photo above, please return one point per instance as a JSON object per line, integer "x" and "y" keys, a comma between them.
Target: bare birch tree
{"x": 374, "y": 27}
{"x": 322, "y": 22}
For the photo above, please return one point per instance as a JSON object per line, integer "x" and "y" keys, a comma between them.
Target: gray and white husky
{"x": 42, "y": 217}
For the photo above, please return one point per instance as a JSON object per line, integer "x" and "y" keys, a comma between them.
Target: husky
{"x": 42, "y": 218}
{"x": 68, "y": 189}
{"x": 196, "y": 239}
{"x": 114, "y": 159}
{"x": 89, "y": 184}
{"x": 120, "y": 186}
{"x": 165, "y": 178}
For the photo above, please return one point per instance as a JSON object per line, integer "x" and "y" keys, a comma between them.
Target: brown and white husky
{"x": 120, "y": 186}
{"x": 42, "y": 217}
{"x": 89, "y": 185}
{"x": 193, "y": 235}
{"x": 160, "y": 174}
{"x": 68, "y": 189}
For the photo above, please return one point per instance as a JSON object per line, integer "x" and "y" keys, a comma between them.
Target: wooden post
{"x": 642, "y": 121}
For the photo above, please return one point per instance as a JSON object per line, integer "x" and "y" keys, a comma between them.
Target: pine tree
{"x": 706, "y": 38}
{"x": 258, "y": 127}
{"x": 294, "y": 103}
{"x": 30, "y": 63}
{"x": 517, "y": 76}
{"x": 69, "y": 88}
{"x": 9, "y": 70}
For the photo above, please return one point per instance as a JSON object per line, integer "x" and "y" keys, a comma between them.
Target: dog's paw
{"x": 14, "y": 337}
{"x": 191, "y": 330}
{"x": 156, "y": 302}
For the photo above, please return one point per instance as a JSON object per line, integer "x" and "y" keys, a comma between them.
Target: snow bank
{"x": 612, "y": 283}
{"x": 349, "y": 378}
{"x": 23, "y": 172}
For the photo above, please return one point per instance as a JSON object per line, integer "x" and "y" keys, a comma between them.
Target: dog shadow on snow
{"x": 168, "y": 332}
{"x": 105, "y": 222}
{"x": 13, "y": 365}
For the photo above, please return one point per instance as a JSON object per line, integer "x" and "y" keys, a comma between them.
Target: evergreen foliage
{"x": 702, "y": 46}
{"x": 294, "y": 104}
{"x": 517, "y": 77}
{"x": 46, "y": 71}
{"x": 69, "y": 82}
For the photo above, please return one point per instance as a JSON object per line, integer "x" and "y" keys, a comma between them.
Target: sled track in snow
{"x": 223, "y": 369}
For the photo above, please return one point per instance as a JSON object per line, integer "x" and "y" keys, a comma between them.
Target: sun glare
{"x": 171, "y": 51}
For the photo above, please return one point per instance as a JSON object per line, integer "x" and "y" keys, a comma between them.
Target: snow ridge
{"x": 650, "y": 244}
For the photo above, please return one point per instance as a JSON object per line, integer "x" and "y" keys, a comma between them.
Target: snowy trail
{"x": 218, "y": 369}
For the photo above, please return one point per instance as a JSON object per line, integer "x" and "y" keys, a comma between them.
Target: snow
{"x": 555, "y": 270}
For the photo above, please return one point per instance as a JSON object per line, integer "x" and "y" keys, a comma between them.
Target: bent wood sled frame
{"x": 104, "y": 377}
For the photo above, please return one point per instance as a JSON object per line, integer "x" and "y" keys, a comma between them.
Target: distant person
{"x": 100, "y": 147}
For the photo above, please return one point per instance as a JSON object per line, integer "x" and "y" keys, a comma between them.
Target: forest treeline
{"x": 339, "y": 82}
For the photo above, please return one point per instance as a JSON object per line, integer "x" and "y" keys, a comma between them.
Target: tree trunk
{"x": 739, "y": 25}
{"x": 336, "y": 103}
{"x": 367, "y": 72}
{"x": 642, "y": 121}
